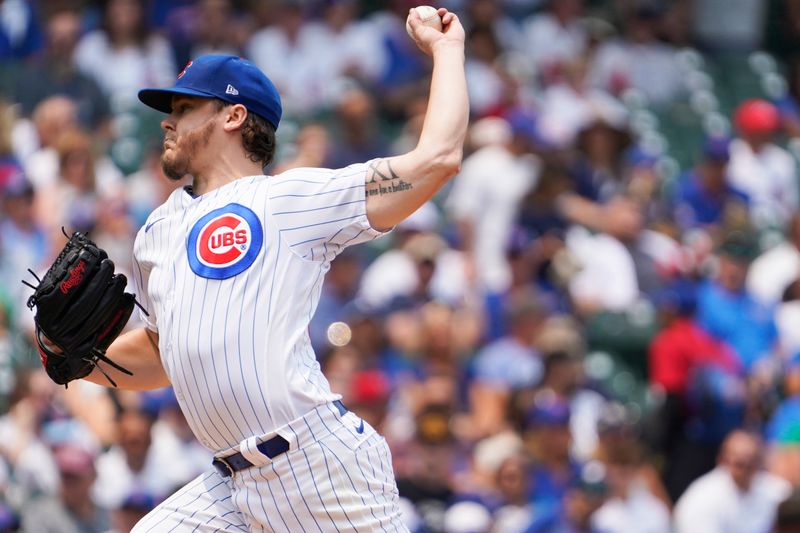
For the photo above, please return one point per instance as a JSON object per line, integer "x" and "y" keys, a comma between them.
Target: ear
{"x": 234, "y": 117}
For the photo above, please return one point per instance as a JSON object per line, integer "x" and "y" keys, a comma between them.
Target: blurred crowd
{"x": 588, "y": 330}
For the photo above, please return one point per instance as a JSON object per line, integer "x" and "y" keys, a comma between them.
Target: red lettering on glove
{"x": 75, "y": 277}
{"x": 43, "y": 356}
{"x": 110, "y": 325}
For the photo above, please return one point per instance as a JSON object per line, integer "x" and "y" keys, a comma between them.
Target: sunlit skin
{"x": 203, "y": 140}
{"x": 187, "y": 132}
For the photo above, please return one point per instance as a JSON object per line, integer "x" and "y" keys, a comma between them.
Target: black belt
{"x": 272, "y": 448}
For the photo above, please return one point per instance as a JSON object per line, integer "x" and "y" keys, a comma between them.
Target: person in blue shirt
{"x": 728, "y": 312}
{"x": 547, "y": 438}
{"x": 703, "y": 195}
{"x": 586, "y": 494}
{"x": 783, "y": 428}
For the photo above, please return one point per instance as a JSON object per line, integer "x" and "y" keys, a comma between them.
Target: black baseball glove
{"x": 81, "y": 307}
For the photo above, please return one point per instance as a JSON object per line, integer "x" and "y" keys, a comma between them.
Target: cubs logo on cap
{"x": 224, "y": 242}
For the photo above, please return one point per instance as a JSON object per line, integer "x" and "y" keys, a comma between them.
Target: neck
{"x": 135, "y": 463}
{"x": 223, "y": 171}
{"x": 82, "y": 509}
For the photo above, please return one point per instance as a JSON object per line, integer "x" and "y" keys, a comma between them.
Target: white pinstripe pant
{"x": 333, "y": 478}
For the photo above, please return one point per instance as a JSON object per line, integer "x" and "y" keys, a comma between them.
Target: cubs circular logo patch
{"x": 224, "y": 242}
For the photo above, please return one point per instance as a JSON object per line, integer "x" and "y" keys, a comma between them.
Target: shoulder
{"x": 301, "y": 172}
{"x": 156, "y": 41}
{"x": 687, "y": 184}
{"x": 504, "y": 348}
{"x": 771, "y": 486}
{"x": 706, "y": 489}
{"x": 94, "y": 42}
{"x": 488, "y": 156}
{"x": 318, "y": 176}
{"x": 779, "y": 155}
{"x": 269, "y": 36}
{"x": 94, "y": 38}
{"x": 783, "y": 252}
{"x": 537, "y": 23}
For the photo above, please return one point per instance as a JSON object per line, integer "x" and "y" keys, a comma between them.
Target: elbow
{"x": 448, "y": 165}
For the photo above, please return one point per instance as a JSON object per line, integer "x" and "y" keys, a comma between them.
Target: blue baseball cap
{"x": 717, "y": 149}
{"x": 229, "y": 78}
{"x": 547, "y": 412}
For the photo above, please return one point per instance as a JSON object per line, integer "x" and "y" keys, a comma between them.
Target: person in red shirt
{"x": 702, "y": 386}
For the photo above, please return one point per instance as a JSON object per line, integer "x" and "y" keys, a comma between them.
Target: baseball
{"x": 430, "y": 17}
{"x": 339, "y": 334}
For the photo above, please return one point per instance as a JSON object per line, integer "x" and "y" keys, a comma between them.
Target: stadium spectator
{"x": 702, "y": 385}
{"x": 124, "y": 55}
{"x": 704, "y": 198}
{"x": 547, "y": 438}
{"x": 638, "y": 256}
{"x": 737, "y": 496}
{"x": 774, "y": 270}
{"x": 216, "y": 30}
{"x": 782, "y": 430}
{"x": 760, "y": 168}
{"x": 311, "y": 148}
{"x": 631, "y": 505}
{"x": 339, "y": 291}
{"x": 339, "y": 39}
{"x": 30, "y": 406}
{"x": 487, "y": 83}
{"x": 147, "y": 188}
{"x": 506, "y": 31}
{"x": 571, "y": 104}
{"x": 730, "y": 313}
{"x": 554, "y": 38}
{"x": 507, "y": 364}
{"x": 73, "y": 509}
{"x": 585, "y": 496}
{"x": 23, "y": 243}
{"x": 394, "y": 273}
{"x": 403, "y": 69}
{"x": 484, "y": 201}
{"x": 639, "y": 61}
{"x": 20, "y": 30}
{"x": 788, "y": 519}
{"x": 136, "y": 462}
{"x": 52, "y": 72}
{"x": 84, "y": 181}
{"x": 37, "y": 149}
{"x": 281, "y": 51}
{"x": 787, "y": 314}
{"x": 357, "y": 136}
{"x": 133, "y": 508}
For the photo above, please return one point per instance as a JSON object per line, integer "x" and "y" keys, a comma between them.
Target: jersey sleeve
{"x": 141, "y": 277}
{"x": 319, "y": 212}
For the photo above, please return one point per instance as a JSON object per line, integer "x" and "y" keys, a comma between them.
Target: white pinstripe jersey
{"x": 231, "y": 280}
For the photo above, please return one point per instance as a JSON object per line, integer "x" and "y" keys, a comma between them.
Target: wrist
{"x": 448, "y": 47}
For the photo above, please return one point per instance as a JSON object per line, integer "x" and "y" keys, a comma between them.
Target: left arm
{"x": 397, "y": 186}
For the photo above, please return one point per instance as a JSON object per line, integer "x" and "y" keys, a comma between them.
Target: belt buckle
{"x": 221, "y": 461}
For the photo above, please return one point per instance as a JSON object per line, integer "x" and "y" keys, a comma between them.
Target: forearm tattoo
{"x": 382, "y": 179}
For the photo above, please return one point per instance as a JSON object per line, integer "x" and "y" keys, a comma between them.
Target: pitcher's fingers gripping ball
{"x": 426, "y": 25}
{"x": 81, "y": 307}
{"x": 429, "y": 16}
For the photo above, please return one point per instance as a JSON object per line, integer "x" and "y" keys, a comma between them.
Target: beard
{"x": 177, "y": 163}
